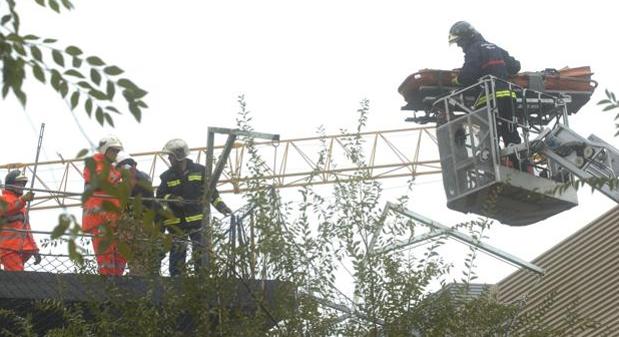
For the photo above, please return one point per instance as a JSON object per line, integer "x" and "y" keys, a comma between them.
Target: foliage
{"x": 610, "y": 103}
{"x": 80, "y": 79}
{"x": 307, "y": 244}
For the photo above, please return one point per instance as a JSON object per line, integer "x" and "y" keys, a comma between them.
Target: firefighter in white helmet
{"x": 99, "y": 170}
{"x": 183, "y": 186}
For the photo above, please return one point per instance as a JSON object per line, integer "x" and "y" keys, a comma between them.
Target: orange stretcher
{"x": 422, "y": 88}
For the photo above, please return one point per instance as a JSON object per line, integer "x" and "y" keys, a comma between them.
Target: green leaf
{"x": 53, "y": 4}
{"x": 49, "y": 40}
{"x": 604, "y": 101}
{"x": 610, "y": 107}
{"x": 73, "y": 253}
{"x": 141, "y": 104}
{"x": 134, "y": 94}
{"x": 126, "y": 83}
{"x": 5, "y": 89}
{"x": 61, "y": 228}
{"x": 82, "y": 153}
{"x": 40, "y": 2}
{"x": 139, "y": 93}
{"x": 14, "y": 38}
{"x": 97, "y": 94}
{"x": 75, "y": 99}
{"x": 21, "y": 96}
{"x": 73, "y": 51}
{"x": 58, "y": 58}
{"x": 19, "y": 48}
{"x": 31, "y": 37}
{"x": 64, "y": 88}
{"x": 67, "y": 4}
{"x": 108, "y": 119}
{"x": 112, "y": 109}
{"x": 38, "y": 73}
{"x": 88, "y": 107}
{"x": 55, "y": 80}
{"x": 36, "y": 53}
{"x": 84, "y": 84}
{"x": 5, "y": 19}
{"x": 113, "y": 70}
{"x": 135, "y": 111}
{"x": 77, "y": 62}
{"x": 110, "y": 90}
{"x": 99, "y": 115}
{"x": 95, "y": 61}
{"x": 74, "y": 73}
{"x": 95, "y": 76}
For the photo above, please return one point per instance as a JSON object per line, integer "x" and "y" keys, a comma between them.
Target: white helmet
{"x": 109, "y": 142}
{"x": 123, "y": 158}
{"x": 176, "y": 147}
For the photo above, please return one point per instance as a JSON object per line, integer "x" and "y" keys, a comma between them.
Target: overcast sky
{"x": 302, "y": 64}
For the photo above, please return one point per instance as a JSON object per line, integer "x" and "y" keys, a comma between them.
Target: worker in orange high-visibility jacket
{"x": 16, "y": 242}
{"x": 96, "y": 219}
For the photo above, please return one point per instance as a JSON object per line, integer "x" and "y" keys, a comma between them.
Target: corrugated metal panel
{"x": 466, "y": 291}
{"x": 583, "y": 267}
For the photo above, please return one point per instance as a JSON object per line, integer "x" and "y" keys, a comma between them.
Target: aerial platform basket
{"x": 477, "y": 180}
{"x": 421, "y": 89}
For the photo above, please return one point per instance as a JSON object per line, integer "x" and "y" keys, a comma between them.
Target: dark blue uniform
{"x": 188, "y": 214}
{"x": 484, "y": 58}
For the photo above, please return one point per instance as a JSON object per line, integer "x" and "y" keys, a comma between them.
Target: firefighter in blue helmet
{"x": 484, "y": 58}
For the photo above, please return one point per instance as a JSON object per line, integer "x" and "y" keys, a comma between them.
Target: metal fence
{"x": 55, "y": 258}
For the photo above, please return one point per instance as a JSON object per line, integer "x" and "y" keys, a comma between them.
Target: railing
{"x": 54, "y": 257}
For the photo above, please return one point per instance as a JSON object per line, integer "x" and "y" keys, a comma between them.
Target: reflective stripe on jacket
{"x": 188, "y": 214}
{"x": 94, "y": 214}
{"x": 497, "y": 94}
{"x": 15, "y": 235}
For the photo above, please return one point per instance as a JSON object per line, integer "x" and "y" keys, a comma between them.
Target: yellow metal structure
{"x": 288, "y": 163}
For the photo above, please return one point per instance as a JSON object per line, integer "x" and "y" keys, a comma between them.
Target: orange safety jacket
{"x": 15, "y": 235}
{"x": 94, "y": 214}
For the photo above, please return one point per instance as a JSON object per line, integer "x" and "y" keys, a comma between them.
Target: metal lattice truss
{"x": 288, "y": 163}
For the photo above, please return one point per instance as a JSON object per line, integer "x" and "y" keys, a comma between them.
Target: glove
{"x": 174, "y": 200}
{"x": 28, "y": 196}
{"x": 37, "y": 258}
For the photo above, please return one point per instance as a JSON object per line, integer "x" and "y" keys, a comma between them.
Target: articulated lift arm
{"x": 591, "y": 159}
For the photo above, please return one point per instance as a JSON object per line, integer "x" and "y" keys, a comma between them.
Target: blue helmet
{"x": 15, "y": 177}
{"x": 461, "y": 31}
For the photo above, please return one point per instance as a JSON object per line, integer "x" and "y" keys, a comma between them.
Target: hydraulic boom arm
{"x": 591, "y": 159}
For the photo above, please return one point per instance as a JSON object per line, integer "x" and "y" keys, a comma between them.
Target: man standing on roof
{"x": 183, "y": 186}
{"x": 16, "y": 242}
{"x": 483, "y": 58}
{"x": 101, "y": 211}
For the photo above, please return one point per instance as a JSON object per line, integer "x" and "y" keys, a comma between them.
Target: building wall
{"x": 584, "y": 268}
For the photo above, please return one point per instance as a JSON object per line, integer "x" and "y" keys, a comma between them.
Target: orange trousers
{"x": 12, "y": 261}
{"x": 109, "y": 261}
